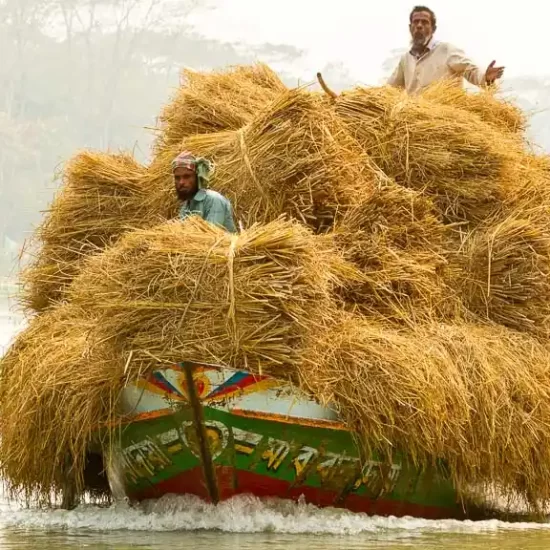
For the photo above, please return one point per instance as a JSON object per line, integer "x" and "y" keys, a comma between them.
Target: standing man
{"x": 191, "y": 176}
{"x": 429, "y": 60}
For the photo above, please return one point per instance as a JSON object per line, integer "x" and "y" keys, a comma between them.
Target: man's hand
{"x": 493, "y": 72}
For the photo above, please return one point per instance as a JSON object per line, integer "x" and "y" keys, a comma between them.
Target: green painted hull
{"x": 220, "y": 433}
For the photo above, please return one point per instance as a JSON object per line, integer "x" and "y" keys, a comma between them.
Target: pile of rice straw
{"x": 101, "y": 196}
{"x": 394, "y": 261}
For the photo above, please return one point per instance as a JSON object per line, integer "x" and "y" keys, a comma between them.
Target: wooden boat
{"x": 215, "y": 433}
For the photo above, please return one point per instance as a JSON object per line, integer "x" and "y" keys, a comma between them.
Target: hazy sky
{"x": 362, "y": 33}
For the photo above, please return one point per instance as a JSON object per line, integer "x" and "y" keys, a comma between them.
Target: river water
{"x": 240, "y": 524}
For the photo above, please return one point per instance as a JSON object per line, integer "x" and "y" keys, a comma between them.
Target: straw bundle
{"x": 53, "y": 397}
{"x": 394, "y": 216}
{"x": 190, "y": 291}
{"x": 476, "y": 397}
{"x": 505, "y": 274}
{"x": 294, "y": 158}
{"x": 422, "y": 144}
{"x": 217, "y": 101}
{"x": 395, "y": 236}
{"x": 501, "y": 114}
{"x": 525, "y": 184}
{"x": 102, "y": 196}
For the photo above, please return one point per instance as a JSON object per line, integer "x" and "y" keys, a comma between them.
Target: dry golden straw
{"x": 426, "y": 145}
{"x": 216, "y": 101}
{"x": 192, "y": 291}
{"x": 102, "y": 195}
{"x": 397, "y": 238}
{"x": 180, "y": 291}
{"x": 54, "y": 395}
{"x": 395, "y": 261}
{"x": 501, "y": 114}
{"x": 525, "y": 184}
{"x": 506, "y": 274}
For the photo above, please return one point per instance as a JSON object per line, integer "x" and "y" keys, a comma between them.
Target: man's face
{"x": 185, "y": 181}
{"x": 421, "y": 27}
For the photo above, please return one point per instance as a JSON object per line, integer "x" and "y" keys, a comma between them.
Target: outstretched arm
{"x": 459, "y": 63}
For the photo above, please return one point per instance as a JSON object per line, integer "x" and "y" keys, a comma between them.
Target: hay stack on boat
{"x": 102, "y": 195}
{"x": 436, "y": 218}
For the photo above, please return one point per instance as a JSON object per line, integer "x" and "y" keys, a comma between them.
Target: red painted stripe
{"x": 236, "y": 482}
{"x": 190, "y": 482}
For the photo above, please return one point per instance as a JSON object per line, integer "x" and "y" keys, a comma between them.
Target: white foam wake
{"x": 243, "y": 514}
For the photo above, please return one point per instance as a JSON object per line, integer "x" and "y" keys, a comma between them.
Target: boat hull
{"x": 216, "y": 433}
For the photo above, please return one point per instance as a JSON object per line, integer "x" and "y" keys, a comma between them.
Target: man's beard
{"x": 421, "y": 40}
{"x": 183, "y": 195}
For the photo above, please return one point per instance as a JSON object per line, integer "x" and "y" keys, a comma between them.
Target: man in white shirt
{"x": 429, "y": 60}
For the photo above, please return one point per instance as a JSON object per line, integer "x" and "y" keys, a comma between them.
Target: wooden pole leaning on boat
{"x": 207, "y": 461}
{"x": 326, "y": 89}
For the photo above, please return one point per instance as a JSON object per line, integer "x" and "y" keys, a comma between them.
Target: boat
{"x": 215, "y": 433}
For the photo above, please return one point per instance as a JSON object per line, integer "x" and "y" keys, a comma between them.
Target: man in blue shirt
{"x": 191, "y": 175}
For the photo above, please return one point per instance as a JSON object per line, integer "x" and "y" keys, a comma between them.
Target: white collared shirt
{"x": 441, "y": 61}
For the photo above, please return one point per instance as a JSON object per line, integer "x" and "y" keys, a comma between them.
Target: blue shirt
{"x": 211, "y": 207}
